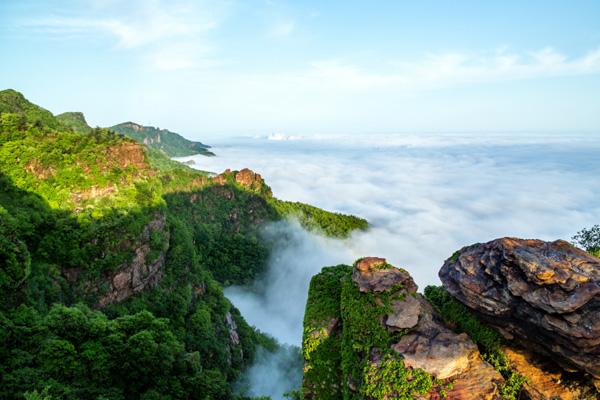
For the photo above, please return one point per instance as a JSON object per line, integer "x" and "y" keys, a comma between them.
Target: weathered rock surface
{"x": 141, "y": 272}
{"x": 246, "y": 178}
{"x": 545, "y": 380}
{"x": 425, "y": 343}
{"x": 544, "y": 294}
{"x": 374, "y": 274}
{"x": 447, "y": 355}
{"x": 405, "y": 313}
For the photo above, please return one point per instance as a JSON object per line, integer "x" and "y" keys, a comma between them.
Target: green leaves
{"x": 589, "y": 239}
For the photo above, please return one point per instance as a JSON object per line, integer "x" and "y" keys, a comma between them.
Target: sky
{"x": 213, "y": 68}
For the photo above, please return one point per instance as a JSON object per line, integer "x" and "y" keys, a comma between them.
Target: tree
{"x": 589, "y": 239}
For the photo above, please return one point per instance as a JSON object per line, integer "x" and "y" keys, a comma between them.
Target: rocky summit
{"x": 545, "y": 295}
{"x": 370, "y": 335}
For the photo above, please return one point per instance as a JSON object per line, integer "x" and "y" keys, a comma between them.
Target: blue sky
{"x": 302, "y": 67}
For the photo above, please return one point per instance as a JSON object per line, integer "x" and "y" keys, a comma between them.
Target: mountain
{"x": 75, "y": 121}
{"x": 112, "y": 262}
{"x": 171, "y": 143}
{"x": 509, "y": 323}
{"x": 16, "y": 110}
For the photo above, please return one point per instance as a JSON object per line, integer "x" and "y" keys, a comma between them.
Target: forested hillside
{"x": 171, "y": 143}
{"x": 112, "y": 258}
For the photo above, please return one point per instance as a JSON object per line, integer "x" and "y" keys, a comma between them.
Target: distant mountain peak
{"x": 171, "y": 143}
{"x": 74, "y": 120}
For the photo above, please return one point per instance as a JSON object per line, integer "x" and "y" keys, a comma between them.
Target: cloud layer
{"x": 425, "y": 196}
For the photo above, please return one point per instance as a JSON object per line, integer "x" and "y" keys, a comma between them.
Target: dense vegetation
{"x": 110, "y": 261}
{"x": 342, "y": 330}
{"x": 487, "y": 339}
{"x": 171, "y": 143}
{"x": 589, "y": 240}
{"x": 322, "y": 344}
{"x": 313, "y": 218}
{"x": 74, "y": 120}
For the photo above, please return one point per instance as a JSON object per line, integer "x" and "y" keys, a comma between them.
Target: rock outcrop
{"x": 142, "y": 272}
{"x": 246, "y": 178}
{"x": 545, "y": 295}
{"x": 374, "y": 274}
{"x": 412, "y": 343}
{"x": 544, "y": 379}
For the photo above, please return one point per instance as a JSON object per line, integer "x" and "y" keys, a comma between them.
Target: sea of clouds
{"x": 425, "y": 196}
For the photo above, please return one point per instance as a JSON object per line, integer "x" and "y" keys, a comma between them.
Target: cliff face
{"x": 368, "y": 334}
{"x": 544, "y": 295}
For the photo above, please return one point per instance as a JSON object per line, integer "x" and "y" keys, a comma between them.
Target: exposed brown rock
{"x": 543, "y": 294}
{"x": 427, "y": 343}
{"x": 233, "y": 334}
{"x": 41, "y": 172}
{"x": 544, "y": 379}
{"x": 246, "y": 178}
{"x": 405, "y": 313}
{"x": 93, "y": 192}
{"x": 444, "y": 354}
{"x": 124, "y": 155}
{"x": 140, "y": 273}
{"x": 373, "y": 274}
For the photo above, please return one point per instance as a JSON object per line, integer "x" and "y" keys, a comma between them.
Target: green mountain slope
{"x": 171, "y": 143}
{"x": 75, "y": 121}
{"x": 112, "y": 258}
{"x": 17, "y": 111}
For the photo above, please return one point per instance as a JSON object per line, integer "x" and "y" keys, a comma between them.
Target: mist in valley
{"x": 424, "y": 196}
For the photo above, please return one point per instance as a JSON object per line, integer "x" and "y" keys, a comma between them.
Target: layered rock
{"x": 448, "y": 356}
{"x": 412, "y": 344}
{"x": 374, "y": 274}
{"x": 543, "y": 294}
{"x": 544, "y": 379}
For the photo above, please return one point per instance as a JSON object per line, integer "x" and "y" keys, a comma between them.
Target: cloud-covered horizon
{"x": 425, "y": 197}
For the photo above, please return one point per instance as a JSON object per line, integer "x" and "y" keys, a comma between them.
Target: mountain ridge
{"x": 171, "y": 143}
{"x": 112, "y": 262}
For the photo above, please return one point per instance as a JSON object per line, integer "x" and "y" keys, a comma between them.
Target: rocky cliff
{"x": 544, "y": 295}
{"x": 516, "y": 319}
{"x": 370, "y": 335}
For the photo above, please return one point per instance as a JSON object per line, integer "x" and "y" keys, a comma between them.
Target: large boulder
{"x": 543, "y": 294}
{"x": 374, "y": 274}
{"x": 449, "y": 356}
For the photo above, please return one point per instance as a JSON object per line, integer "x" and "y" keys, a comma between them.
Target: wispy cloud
{"x": 445, "y": 69}
{"x": 171, "y": 33}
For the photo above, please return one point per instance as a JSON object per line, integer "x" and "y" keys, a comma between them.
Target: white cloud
{"x": 439, "y": 70}
{"x": 425, "y": 195}
{"x": 159, "y": 28}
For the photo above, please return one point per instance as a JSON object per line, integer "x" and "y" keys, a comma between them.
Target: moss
{"x": 322, "y": 349}
{"x": 363, "y": 331}
{"x": 390, "y": 379}
{"x": 487, "y": 339}
{"x": 454, "y": 256}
